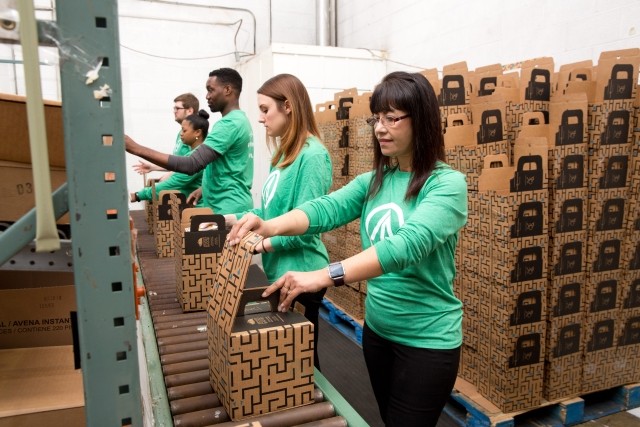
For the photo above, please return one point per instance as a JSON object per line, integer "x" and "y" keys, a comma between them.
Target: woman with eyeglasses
{"x": 411, "y": 207}
{"x": 194, "y": 130}
{"x": 300, "y": 171}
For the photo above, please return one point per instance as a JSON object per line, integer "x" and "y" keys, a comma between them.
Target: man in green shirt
{"x": 226, "y": 154}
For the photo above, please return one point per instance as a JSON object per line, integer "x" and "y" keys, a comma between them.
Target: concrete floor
{"x": 621, "y": 419}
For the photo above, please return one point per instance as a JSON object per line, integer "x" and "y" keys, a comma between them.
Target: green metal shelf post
{"x": 101, "y": 241}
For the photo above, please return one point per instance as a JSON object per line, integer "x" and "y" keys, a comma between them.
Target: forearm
{"x": 362, "y": 266}
{"x": 193, "y": 163}
{"x": 153, "y": 156}
{"x": 293, "y": 223}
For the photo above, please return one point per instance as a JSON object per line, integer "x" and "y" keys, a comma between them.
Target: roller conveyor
{"x": 181, "y": 340}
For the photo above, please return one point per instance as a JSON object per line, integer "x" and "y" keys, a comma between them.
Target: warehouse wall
{"x": 436, "y": 33}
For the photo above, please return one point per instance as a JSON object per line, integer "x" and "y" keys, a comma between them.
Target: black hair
{"x": 228, "y": 76}
{"x": 199, "y": 121}
{"x": 413, "y": 94}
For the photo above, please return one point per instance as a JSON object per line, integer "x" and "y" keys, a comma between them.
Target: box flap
{"x": 617, "y": 74}
{"x": 489, "y": 119}
{"x": 432, "y": 76}
{"x": 164, "y": 203}
{"x": 229, "y": 283}
{"x": 535, "y": 79}
{"x": 360, "y": 106}
{"x": 568, "y": 119}
{"x": 188, "y": 213}
{"x": 484, "y": 80}
{"x": 205, "y": 241}
{"x": 326, "y": 112}
{"x": 533, "y": 124}
{"x": 495, "y": 174}
{"x": 459, "y": 132}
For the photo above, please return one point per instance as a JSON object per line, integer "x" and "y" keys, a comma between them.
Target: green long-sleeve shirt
{"x": 307, "y": 178}
{"x": 412, "y": 302}
{"x": 184, "y": 183}
{"x": 226, "y": 183}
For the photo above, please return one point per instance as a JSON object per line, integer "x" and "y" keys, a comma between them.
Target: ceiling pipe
{"x": 326, "y": 22}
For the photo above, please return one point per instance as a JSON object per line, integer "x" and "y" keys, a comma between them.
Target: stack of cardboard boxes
{"x": 347, "y": 136}
{"x": 548, "y": 261}
{"x": 39, "y": 384}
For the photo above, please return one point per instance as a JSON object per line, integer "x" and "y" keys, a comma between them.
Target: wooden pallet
{"x": 467, "y": 407}
{"x": 336, "y": 316}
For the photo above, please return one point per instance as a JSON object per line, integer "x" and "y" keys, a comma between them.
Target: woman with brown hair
{"x": 411, "y": 207}
{"x": 300, "y": 171}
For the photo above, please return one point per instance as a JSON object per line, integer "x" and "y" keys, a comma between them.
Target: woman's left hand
{"x": 295, "y": 283}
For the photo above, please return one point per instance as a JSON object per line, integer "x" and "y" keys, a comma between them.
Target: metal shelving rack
{"x": 99, "y": 215}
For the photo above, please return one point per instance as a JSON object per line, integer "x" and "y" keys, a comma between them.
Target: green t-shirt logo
{"x": 270, "y": 186}
{"x": 382, "y": 220}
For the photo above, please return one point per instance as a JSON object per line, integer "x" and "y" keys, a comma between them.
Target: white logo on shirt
{"x": 270, "y": 186}
{"x": 383, "y": 227}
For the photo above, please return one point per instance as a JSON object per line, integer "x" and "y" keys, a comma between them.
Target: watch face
{"x": 336, "y": 271}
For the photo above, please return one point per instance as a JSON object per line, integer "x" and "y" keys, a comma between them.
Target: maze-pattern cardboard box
{"x": 196, "y": 255}
{"x": 567, "y": 255}
{"x": 163, "y": 232}
{"x": 258, "y": 363}
{"x": 610, "y": 125}
{"x": 566, "y": 296}
{"x": 516, "y": 381}
{"x": 563, "y": 359}
{"x": 469, "y": 158}
{"x": 568, "y": 214}
{"x": 149, "y": 205}
{"x": 568, "y": 168}
{"x": 603, "y": 292}
{"x": 630, "y": 292}
{"x": 599, "y": 358}
{"x": 609, "y": 169}
{"x": 604, "y": 252}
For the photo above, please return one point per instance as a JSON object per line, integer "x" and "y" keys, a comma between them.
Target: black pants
{"x": 411, "y": 384}
{"x": 311, "y": 303}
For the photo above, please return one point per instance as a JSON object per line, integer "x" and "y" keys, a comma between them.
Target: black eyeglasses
{"x": 179, "y": 108}
{"x": 387, "y": 121}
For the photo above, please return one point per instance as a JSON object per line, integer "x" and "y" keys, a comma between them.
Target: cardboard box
{"x": 617, "y": 76}
{"x": 15, "y": 128}
{"x": 261, "y": 362}
{"x": 600, "y": 351}
{"x": 196, "y": 254}
{"x": 164, "y": 223}
{"x": 40, "y": 387}
{"x": 150, "y": 205}
{"x": 563, "y": 359}
{"x": 455, "y": 87}
{"x": 35, "y": 308}
{"x": 16, "y": 187}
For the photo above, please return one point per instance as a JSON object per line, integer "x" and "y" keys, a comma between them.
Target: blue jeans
{"x": 411, "y": 384}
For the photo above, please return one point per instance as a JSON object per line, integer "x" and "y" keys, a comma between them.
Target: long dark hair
{"x": 413, "y": 94}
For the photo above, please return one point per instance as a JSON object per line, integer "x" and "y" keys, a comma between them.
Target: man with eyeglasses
{"x": 183, "y": 106}
{"x": 226, "y": 154}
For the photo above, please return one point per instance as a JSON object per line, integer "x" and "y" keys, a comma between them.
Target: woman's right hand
{"x": 142, "y": 167}
{"x": 249, "y": 222}
{"x": 194, "y": 197}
